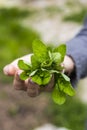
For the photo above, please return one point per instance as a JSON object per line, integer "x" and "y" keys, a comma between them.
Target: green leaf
{"x": 24, "y": 76}
{"x": 65, "y": 77}
{"x": 58, "y": 67}
{"x": 41, "y": 77}
{"x": 54, "y": 71}
{"x": 34, "y": 62}
{"x": 23, "y": 66}
{"x": 60, "y": 82}
{"x": 46, "y": 64}
{"x": 58, "y": 96}
{"x": 33, "y": 73}
{"x": 37, "y": 79}
{"x": 50, "y": 55}
{"x": 46, "y": 80}
{"x": 40, "y": 50}
{"x": 61, "y": 49}
{"x": 56, "y": 57}
{"x": 45, "y": 76}
{"x": 66, "y": 87}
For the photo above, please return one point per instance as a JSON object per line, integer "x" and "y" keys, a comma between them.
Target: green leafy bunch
{"x": 44, "y": 64}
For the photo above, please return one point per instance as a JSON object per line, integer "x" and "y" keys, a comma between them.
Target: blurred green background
{"x": 20, "y": 23}
{"x": 15, "y": 38}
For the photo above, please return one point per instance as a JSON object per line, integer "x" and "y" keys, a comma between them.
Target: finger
{"x": 68, "y": 64}
{"x": 12, "y": 68}
{"x": 18, "y": 83}
{"x": 33, "y": 89}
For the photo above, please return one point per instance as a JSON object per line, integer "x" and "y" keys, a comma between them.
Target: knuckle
{"x": 19, "y": 84}
{"x": 33, "y": 89}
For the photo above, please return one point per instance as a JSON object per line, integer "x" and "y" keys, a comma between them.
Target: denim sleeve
{"x": 77, "y": 49}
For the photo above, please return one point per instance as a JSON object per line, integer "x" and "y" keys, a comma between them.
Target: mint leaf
{"x": 37, "y": 79}
{"x": 50, "y": 54}
{"x": 46, "y": 80}
{"x": 33, "y": 72}
{"x": 65, "y": 77}
{"x": 46, "y": 62}
{"x": 61, "y": 49}
{"x": 41, "y": 77}
{"x": 59, "y": 67}
{"x": 34, "y": 62}
{"x": 58, "y": 96}
{"x": 54, "y": 71}
{"x": 40, "y": 51}
{"x": 23, "y": 66}
{"x": 46, "y": 77}
{"x": 66, "y": 87}
{"x": 56, "y": 57}
{"x": 24, "y": 76}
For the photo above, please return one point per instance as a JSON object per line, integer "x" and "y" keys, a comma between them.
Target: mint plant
{"x": 44, "y": 64}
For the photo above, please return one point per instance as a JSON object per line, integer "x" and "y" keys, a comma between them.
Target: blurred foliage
{"x": 76, "y": 16}
{"x": 53, "y": 10}
{"x": 15, "y": 38}
{"x": 71, "y": 11}
{"x": 76, "y": 11}
{"x": 9, "y": 14}
{"x": 71, "y": 115}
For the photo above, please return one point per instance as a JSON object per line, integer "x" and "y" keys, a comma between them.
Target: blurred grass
{"x": 15, "y": 39}
{"x": 53, "y": 10}
{"x": 71, "y": 115}
{"x": 72, "y": 11}
{"x": 76, "y": 16}
{"x": 76, "y": 11}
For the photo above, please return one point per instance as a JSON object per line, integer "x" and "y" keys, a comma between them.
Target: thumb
{"x": 12, "y": 68}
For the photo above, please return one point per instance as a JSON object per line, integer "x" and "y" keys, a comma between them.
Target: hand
{"x": 69, "y": 65}
{"x": 30, "y": 87}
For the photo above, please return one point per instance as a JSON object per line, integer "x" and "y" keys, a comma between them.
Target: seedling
{"x": 46, "y": 63}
